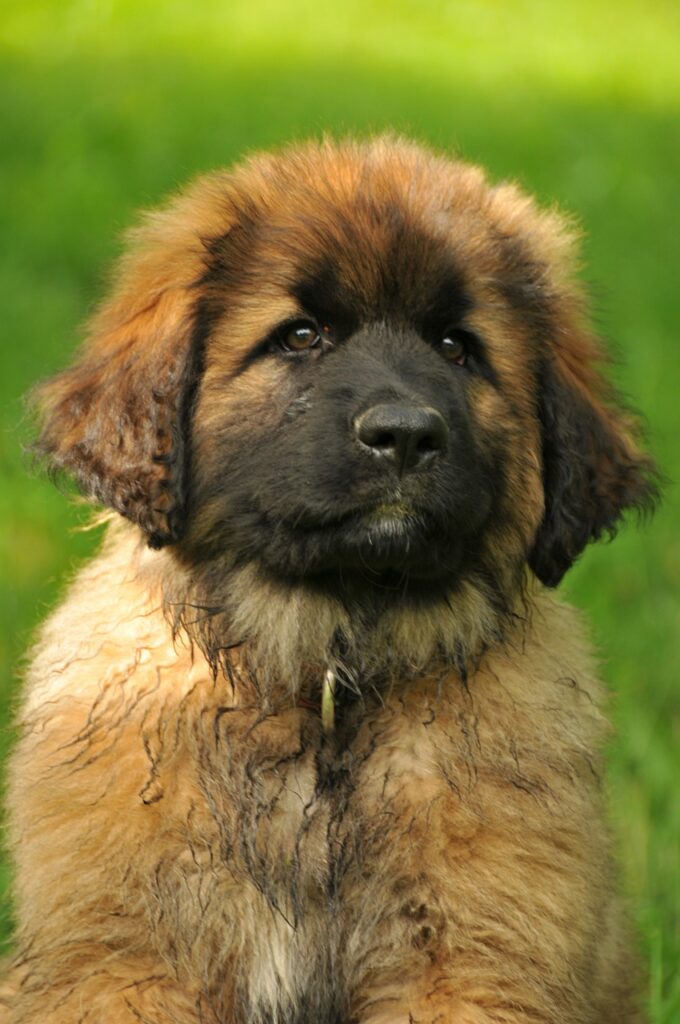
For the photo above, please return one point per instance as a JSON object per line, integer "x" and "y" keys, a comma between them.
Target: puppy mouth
{"x": 382, "y": 544}
{"x": 390, "y": 536}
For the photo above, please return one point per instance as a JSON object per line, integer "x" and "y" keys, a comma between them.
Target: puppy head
{"x": 356, "y": 372}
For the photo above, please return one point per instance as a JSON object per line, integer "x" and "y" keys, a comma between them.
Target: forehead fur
{"x": 275, "y": 214}
{"x": 378, "y": 226}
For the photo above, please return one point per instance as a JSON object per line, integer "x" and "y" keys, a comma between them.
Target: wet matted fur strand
{"x": 311, "y": 740}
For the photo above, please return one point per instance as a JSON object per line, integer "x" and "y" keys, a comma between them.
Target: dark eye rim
{"x": 281, "y": 333}
{"x": 466, "y": 338}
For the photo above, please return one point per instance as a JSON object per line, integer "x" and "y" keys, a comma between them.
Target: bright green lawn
{"x": 104, "y": 106}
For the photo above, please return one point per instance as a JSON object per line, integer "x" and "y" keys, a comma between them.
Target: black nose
{"x": 407, "y": 435}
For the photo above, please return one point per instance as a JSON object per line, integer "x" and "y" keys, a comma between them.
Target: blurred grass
{"x": 105, "y": 106}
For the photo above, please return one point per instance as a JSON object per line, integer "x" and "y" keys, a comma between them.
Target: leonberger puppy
{"x": 311, "y": 740}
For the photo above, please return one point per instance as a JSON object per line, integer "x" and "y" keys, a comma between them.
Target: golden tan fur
{"x": 487, "y": 891}
{"x": 190, "y": 845}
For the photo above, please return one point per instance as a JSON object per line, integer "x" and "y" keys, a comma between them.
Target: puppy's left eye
{"x": 455, "y": 345}
{"x": 299, "y": 337}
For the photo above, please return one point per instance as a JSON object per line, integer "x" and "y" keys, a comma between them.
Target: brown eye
{"x": 299, "y": 337}
{"x": 454, "y": 347}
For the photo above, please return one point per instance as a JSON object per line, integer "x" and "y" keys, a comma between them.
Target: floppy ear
{"x": 118, "y": 420}
{"x": 593, "y": 469}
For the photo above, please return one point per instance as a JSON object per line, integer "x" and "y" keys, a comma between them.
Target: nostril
{"x": 429, "y": 443}
{"x": 405, "y": 434}
{"x": 384, "y": 440}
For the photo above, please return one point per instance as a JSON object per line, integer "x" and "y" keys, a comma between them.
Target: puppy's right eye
{"x": 299, "y": 337}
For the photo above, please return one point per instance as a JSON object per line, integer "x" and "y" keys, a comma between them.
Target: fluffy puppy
{"x": 311, "y": 740}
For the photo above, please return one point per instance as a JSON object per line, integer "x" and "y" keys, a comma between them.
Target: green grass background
{"x": 105, "y": 106}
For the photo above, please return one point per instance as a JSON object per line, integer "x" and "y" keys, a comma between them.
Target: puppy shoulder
{"x": 547, "y": 675}
{"x": 108, "y": 626}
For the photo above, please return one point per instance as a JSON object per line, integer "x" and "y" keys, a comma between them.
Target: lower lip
{"x": 396, "y": 510}
{"x": 386, "y": 526}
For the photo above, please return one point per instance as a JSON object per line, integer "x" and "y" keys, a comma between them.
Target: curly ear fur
{"x": 117, "y": 420}
{"x": 592, "y": 468}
